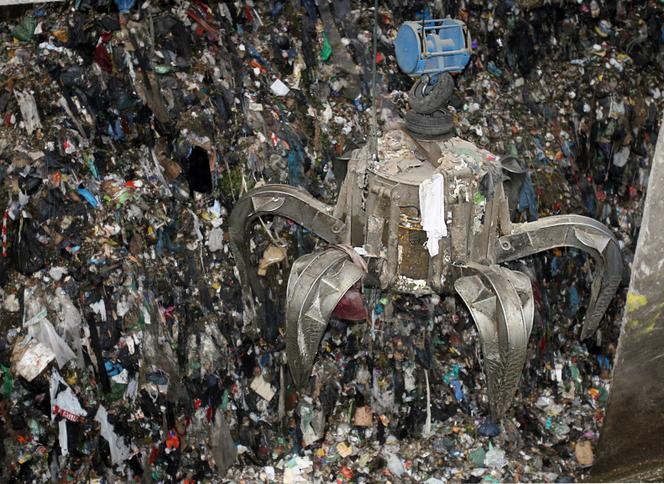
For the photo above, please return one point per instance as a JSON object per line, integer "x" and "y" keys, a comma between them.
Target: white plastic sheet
{"x": 44, "y": 332}
{"x": 120, "y": 452}
{"x": 279, "y": 88}
{"x": 432, "y": 208}
{"x": 29, "y": 112}
{"x": 64, "y": 401}
{"x": 41, "y": 329}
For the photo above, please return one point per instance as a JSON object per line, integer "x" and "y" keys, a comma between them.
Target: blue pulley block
{"x": 432, "y": 47}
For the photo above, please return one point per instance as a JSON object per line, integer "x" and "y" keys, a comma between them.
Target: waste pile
{"x": 128, "y": 132}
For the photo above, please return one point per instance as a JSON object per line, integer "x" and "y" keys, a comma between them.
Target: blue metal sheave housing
{"x": 432, "y": 47}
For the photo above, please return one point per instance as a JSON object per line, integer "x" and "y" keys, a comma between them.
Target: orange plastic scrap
{"x": 594, "y": 393}
{"x": 256, "y": 64}
{"x": 173, "y": 441}
{"x": 62, "y": 35}
{"x": 56, "y": 178}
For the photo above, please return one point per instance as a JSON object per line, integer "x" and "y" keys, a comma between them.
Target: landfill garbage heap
{"x": 426, "y": 213}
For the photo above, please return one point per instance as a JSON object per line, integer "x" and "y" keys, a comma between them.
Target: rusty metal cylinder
{"x": 413, "y": 255}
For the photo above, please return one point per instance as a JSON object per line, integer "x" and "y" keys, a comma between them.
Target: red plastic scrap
{"x": 199, "y": 31}
{"x": 212, "y": 32}
{"x": 154, "y": 453}
{"x": 103, "y": 59}
{"x": 542, "y": 344}
{"x": 601, "y": 196}
{"x": 5, "y": 219}
{"x": 134, "y": 184}
{"x": 347, "y": 472}
{"x": 599, "y": 416}
{"x": 204, "y": 8}
{"x": 57, "y": 410}
{"x": 351, "y": 307}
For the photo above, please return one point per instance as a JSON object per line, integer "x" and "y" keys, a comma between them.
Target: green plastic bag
{"x": 7, "y": 382}
{"x": 25, "y": 29}
{"x": 326, "y": 51}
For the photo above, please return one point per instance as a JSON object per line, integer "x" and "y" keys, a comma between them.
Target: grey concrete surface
{"x": 631, "y": 445}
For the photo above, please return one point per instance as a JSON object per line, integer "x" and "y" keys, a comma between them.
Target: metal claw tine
{"x": 577, "y": 231}
{"x": 275, "y": 200}
{"x": 500, "y": 301}
{"x": 316, "y": 284}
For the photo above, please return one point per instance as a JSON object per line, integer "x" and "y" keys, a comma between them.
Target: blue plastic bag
{"x": 124, "y": 5}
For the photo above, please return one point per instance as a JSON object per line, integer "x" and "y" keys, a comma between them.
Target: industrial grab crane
{"x": 426, "y": 213}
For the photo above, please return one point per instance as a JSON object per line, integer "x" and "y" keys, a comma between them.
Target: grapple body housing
{"x": 382, "y": 210}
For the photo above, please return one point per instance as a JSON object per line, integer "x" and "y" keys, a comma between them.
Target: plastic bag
{"x": 120, "y": 452}
{"x": 27, "y": 249}
{"x": 29, "y": 112}
{"x": 222, "y": 445}
{"x": 41, "y": 329}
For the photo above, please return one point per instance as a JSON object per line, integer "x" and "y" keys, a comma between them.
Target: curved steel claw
{"x": 316, "y": 284}
{"x": 275, "y": 200}
{"x": 577, "y": 231}
{"x": 501, "y": 303}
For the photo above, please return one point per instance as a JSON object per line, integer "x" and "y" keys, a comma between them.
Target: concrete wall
{"x": 631, "y": 445}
